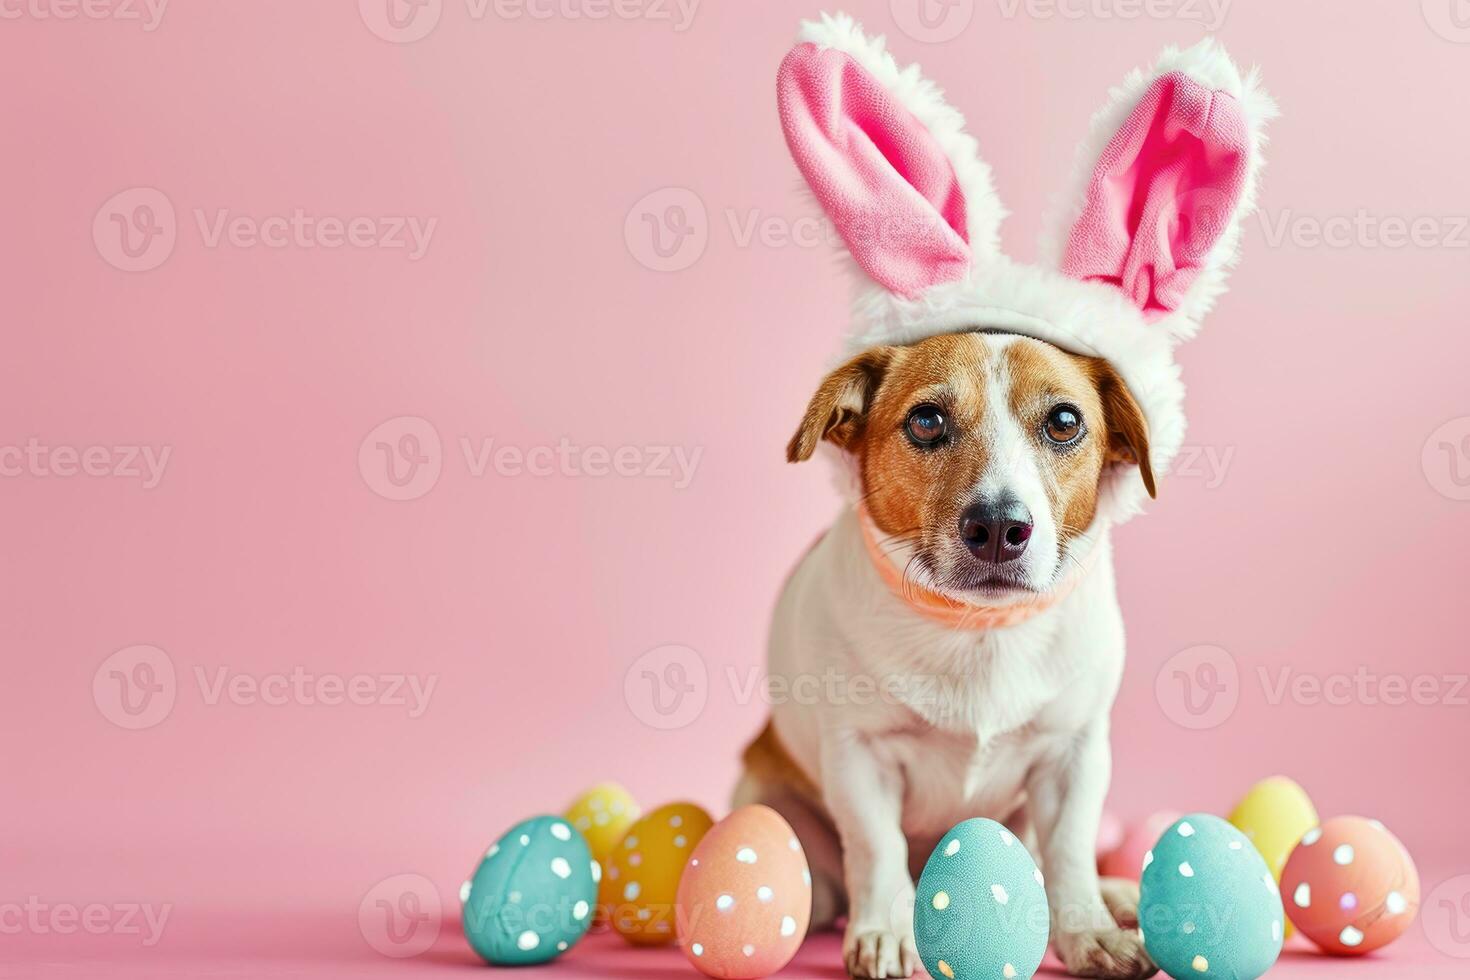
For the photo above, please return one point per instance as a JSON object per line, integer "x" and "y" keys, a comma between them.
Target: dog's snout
{"x": 996, "y": 530}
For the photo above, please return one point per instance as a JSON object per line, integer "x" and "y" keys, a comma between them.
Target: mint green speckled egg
{"x": 981, "y": 907}
{"x": 533, "y": 896}
{"x": 1210, "y": 907}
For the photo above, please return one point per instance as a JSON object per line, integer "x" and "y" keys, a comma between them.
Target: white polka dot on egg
{"x": 1186, "y": 829}
{"x": 788, "y": 926}
{"x": 1303, "y": 896}
{"x": 999, "y": 892}
{"x": 560, "y": 868}
{"x": 952, "y": 849}
{"x": 725, "y": 902}
{"x": 1351, "y": 937}
{"x": 528, "y": 940}
{"x": 580, "y": 910}
{"x": 746, "y": 855}
{"x": 941, "y": 901}
{"x": 764, "y": 893}
{"x": 1312, "y": 836}
{"x": 748, "y": 950}
{"x": 1186, "y": 869}
{"x": 561, "y": 831}
{"x": 1395, "y": 903}
{"x": 1344, "y": 855}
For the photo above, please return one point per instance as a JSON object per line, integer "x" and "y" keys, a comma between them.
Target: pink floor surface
{"x": 218, "y": 944}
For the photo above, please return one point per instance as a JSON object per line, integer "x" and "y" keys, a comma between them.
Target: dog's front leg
{"x": 1066, "y": 794}
{"x": 864, "y": 795}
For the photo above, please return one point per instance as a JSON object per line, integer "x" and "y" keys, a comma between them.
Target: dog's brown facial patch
{"x": 1017, "y": 415}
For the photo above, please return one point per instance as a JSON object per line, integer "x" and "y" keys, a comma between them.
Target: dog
{"x": 959, "y": 621}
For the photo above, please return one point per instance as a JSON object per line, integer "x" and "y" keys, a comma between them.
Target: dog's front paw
{"x": 1112, "y": 954}
{"x": 878, "y": 954}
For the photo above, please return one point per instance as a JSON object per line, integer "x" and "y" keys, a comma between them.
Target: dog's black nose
{"x": 996, "y": 530}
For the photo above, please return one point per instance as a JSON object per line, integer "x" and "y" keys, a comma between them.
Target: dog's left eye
{"x": 926, "y": 426}
{"x": 1063, "y": 425}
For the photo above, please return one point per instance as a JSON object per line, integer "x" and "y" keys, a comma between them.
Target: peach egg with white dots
{"x": 745, "y": 900}
{"x": 1350, "y": 886}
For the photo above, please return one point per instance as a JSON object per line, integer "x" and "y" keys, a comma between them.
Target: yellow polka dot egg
{"x": 1274, "y": 815}
{"x": 981, "y": 907}
{"x": 1210, "y": 908}
{"x": 641, "y": 877}
{"x": 603, "y": 814}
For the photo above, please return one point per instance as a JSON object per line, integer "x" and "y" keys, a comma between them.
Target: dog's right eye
{"x": 926, "y": 426}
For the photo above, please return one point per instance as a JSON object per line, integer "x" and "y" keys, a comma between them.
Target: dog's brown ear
{"x": 1127, "y": 428}
{"x": 840, "y": 406}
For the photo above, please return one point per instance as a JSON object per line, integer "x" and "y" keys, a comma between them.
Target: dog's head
{"x": 997, "y": 446}
{"x": 982, "y": 452}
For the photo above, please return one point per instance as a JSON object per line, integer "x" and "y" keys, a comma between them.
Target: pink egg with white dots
{"x": 745, "y": 899}
{"x": 1350, "y": 886}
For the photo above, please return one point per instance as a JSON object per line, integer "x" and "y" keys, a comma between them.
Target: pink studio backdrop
{"x": 1320, "y": 526}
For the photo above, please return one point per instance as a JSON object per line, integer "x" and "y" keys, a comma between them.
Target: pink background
{"x": 1329, "y": 544}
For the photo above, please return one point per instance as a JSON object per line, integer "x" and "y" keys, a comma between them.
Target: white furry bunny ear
{"x": 887, "y": 158}
{"x": 1167, "y": 177}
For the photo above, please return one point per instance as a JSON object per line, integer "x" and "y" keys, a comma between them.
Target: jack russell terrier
{"x": 996, "y": 420}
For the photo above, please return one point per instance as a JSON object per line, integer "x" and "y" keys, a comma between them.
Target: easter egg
{"x": 745, "y": 899}
{"x": 1274, "y": 814}
{"x": 1209, "y": 906}
{"x": 603, "y": 814}
{"x": 1110, "y": 831}
{"x": 531, "y": 898}
{"x": 642, "y": 874}
{"x": 981, "y": 906}
{"x": 1126, "y": 861}
{"x": 1350, "y": 886}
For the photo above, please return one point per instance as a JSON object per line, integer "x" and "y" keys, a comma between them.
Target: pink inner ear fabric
{"x": 878, "y": 172}
{"x": 1163, "y": 194}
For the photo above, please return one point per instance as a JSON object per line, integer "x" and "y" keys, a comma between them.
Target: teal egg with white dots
{"x": 981, "y": 906}
{"x": 533, "y": 896}
{"x": 1210, "y": 909}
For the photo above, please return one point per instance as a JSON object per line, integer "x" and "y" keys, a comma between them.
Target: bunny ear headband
{"x": 1165, "y": 180}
